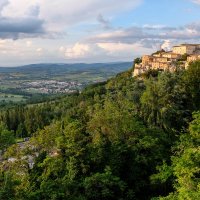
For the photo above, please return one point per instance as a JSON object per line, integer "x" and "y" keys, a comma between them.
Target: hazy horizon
{"x": 64, "y": 63}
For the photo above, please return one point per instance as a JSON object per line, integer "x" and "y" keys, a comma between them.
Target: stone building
{"x": 160, "y": 59}
{"x": 186, "y": 49}
{"x": 139, "y": 69}
{"x": 192, "y": 58}
{"x": 160, "y": 65}
{"x": 168, "y": 60}
{"x": 171, "y": 55}
{"x": 146, "y": 59}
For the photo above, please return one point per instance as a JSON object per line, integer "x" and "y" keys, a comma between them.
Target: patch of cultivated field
{"x": 11, "y": 97}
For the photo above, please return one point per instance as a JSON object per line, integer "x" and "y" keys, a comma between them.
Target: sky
{"x": 71, "y": 31}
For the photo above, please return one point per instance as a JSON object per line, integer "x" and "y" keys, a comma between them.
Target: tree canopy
{"x": 127, "y": 138}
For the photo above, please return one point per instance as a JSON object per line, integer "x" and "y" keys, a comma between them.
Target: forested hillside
{"x": 127, "y": 138}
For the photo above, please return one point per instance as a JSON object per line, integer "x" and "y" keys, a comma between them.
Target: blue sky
{"x": 35, "y": 31}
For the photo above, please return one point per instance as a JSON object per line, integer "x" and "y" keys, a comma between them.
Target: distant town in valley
{"x": 52, "y": 86}
{"x": 18, "y": 84}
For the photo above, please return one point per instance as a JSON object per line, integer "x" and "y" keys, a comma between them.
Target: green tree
{"x": 6, "y": 137}
{"x": 137, "y": 60}
{"x": 7, "y": 186}
{"x": 104, "y": 186}
{"x": 192, "y": 83}
{"x": 185, "y": 165}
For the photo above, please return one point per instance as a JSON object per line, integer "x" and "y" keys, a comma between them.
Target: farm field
{"x": 17, "y": 84}
{"x": 11, "y": 98}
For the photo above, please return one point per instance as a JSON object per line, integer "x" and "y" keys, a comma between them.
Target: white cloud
{"x": 13, "y": 53}
{"x": 166, "y": 45}
{"x": 61, "y": 49}
{"x": 29, "y": 21}
{"x": 196, "y": 1}
{"x": 64, "y": 13}
{"x": 105, "y": 51}
{"x": 82, "y": 50}
{"x": 154, "y": 26}
{"x": 112, "y": 48}
{"x": 149, "y": 35}
{"x": 3, "y": 3}
{"x": 2, "y": 43}
{"x": 29, "y": 43}
{"x": 39, "y": 50}
{"x": 19, "y": 26}
{"x": 4, "y": 52}
{"x": 123, "y": 50}
{"x": 77, "y": 51}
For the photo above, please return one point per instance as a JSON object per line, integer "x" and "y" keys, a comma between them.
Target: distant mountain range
{"x": 80, "y": 72}
{"x": 119, "y": 66}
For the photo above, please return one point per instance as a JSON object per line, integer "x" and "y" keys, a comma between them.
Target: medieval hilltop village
{"x": 162, "y": 60}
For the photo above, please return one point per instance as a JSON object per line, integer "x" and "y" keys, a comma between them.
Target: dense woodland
{"x": 126, "y": 139}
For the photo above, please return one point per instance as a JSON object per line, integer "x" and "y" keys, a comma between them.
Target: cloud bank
{"x": 196, "y": 1}
{"x": 96, "y": 30}
{"x": 20, "y": 27}
{"x": 20, "y": 19}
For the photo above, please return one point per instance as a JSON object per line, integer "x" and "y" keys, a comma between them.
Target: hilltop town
{"x": 180, "y": 56}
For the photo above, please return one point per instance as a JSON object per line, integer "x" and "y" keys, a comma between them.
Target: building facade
{"x": 169, "y": 60}
{"x": 186, "y": 49}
